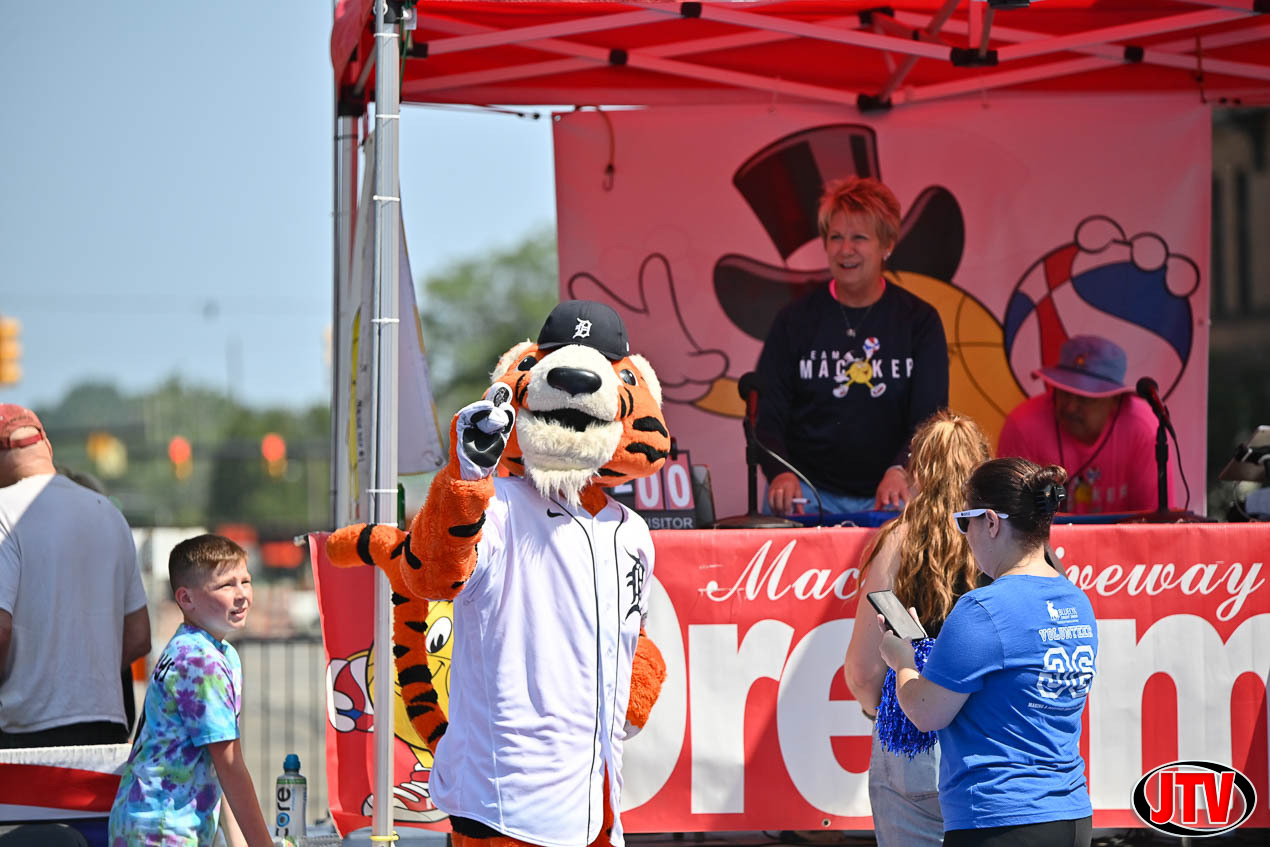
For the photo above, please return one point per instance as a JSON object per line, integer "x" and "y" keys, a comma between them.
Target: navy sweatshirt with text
{"x": 842, "y": 409}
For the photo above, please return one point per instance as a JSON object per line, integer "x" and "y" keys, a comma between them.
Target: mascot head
{"x": 588, "y": 411}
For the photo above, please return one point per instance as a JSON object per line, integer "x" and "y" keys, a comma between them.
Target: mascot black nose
{"x": 574, "y": 380}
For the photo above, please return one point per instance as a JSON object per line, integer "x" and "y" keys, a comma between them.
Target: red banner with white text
{"x": 755, "y": 728}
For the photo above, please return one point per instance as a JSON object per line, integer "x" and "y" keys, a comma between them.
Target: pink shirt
{"x": 1114, "y": 474}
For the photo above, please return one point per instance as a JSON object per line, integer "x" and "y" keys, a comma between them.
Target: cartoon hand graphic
{"x": 686, "y": 371}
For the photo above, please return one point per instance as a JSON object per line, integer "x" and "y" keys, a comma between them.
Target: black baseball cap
{"x": 588, "y": 323}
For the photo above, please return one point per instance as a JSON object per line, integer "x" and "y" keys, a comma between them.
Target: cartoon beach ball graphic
{"x": 1131, "y": 290}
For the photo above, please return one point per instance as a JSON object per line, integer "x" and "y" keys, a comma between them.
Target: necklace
{"x": 842, "y": 310}
{"x": 1084, "y": 488}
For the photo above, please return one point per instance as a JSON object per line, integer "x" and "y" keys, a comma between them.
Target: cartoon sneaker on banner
{"x": 1131, "y": 289}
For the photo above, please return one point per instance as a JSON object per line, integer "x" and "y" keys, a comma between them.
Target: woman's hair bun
{"x": 1048, "y": 493}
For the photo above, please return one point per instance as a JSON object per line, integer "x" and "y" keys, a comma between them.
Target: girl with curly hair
{"x": 927, "y": 563}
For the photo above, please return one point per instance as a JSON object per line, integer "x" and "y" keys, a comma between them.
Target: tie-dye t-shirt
{"x": 169, "y": 795}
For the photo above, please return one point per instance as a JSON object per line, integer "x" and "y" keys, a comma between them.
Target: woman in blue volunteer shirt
{"x": 921, "y": 556}
{"x": 1007, "y": 679}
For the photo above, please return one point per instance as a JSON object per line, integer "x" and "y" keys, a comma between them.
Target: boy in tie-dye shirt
{"x": 187, "y": 751}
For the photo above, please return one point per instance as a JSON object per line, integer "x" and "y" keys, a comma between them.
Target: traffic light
{"x": 10, "y": 351}
{"x": 108, "y": 453}
{"x": 274, "y": 449}
{"x": 182, "y": 457}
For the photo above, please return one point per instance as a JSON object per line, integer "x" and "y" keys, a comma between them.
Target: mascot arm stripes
{"x": 444, "y": 557}
{"x": 423, "y": 564}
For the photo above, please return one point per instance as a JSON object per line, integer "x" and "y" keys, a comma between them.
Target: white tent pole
{"x": 345, "y": 215}
{"x": 383, "y": 458}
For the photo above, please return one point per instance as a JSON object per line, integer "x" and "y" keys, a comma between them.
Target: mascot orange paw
{"x": 363, "y": 544}
{"x": 648, "y": 672}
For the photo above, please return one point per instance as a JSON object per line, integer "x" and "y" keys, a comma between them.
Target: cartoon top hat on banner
{"x": 782, "y": 184}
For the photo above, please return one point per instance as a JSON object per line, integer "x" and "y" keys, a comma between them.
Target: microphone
{"x": 748, "y": 387}
{"x": 1149, "y": 390}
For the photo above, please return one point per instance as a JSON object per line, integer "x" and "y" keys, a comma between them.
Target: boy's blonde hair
{"x": 198, "y": 558}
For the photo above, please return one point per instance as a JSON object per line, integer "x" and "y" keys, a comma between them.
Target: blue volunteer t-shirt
{"x": 1024, "y": 648}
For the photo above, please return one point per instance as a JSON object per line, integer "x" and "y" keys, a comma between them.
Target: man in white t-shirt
{"x": 72, "y": 607}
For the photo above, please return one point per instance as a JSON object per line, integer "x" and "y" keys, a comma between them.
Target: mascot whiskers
{"x": 549, "y": 575}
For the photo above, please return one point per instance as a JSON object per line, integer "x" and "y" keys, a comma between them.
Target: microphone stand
{"x": 752, "y": 519}
{"x": 1162, "y": 513}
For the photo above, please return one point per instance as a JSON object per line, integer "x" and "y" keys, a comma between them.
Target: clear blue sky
{"x": 166, "y": 199}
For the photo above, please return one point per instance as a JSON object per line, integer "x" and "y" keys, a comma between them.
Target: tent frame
{"x": 911, "y": 36}
{"x": 905, "y": 34}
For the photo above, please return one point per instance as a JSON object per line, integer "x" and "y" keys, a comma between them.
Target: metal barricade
{"x": 284, "y": 711}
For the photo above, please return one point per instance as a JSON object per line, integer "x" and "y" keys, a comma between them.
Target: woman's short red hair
{"x": 856, "y": 195}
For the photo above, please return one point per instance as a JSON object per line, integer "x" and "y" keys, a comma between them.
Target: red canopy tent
{"x": 857, "y": 54}
{"x": 851, "y": 53}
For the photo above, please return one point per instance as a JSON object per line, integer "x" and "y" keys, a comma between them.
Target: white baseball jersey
{"x": 545, "y": 633}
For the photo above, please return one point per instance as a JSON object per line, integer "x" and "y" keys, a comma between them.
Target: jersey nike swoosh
{"x": 552, "y": 514}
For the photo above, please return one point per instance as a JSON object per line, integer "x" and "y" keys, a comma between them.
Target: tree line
{"x": 122, "y": 442}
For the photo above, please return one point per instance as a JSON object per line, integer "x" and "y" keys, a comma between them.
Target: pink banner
{"x": 1026, "y": 221}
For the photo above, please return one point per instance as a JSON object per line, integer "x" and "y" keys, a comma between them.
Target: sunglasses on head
{"x": 962, "y": 519}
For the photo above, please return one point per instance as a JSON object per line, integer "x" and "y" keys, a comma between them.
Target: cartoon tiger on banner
{"x": 552, "y": 669}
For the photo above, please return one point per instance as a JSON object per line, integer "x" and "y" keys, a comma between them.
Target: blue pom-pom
{"x": 896, "y": 732}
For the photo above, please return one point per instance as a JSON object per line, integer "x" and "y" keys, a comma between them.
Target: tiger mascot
{"x": 550, "y": 576}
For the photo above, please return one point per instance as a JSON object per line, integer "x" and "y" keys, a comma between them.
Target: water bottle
{"x": 289, "y": 800}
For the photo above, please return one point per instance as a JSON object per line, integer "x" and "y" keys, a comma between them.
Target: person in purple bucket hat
{"x": 1091, "y": 424}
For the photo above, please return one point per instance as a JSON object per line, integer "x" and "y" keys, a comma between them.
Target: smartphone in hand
{"x": 898, "y": 620}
